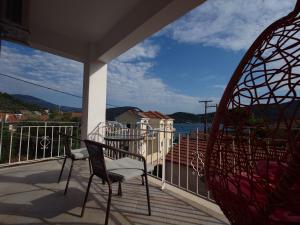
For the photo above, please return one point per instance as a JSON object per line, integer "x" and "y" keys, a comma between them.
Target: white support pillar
{"x": 94, "y": 97}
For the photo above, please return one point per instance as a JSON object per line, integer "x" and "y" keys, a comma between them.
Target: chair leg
{"x": 86, "y": 194}
{"x": 67, "y": 185}
{"x": 62, "y": 169}
{"x": 120, "y": 189}
{"x": 143, "y": 183}
{"x": 90, "y": 166}
{"x": 108, "y": 204}
{"x": 148, "y": 195}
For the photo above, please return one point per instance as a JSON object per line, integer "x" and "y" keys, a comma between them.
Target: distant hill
{"x": 11, "y": 104}
{"x": 269, "y": 113}
{"x": 112, "y": 113}
{"x": 184, "y": 117}
{"x": 44, "y": 104}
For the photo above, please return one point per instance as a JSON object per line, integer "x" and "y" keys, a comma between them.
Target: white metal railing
{"x": 30, "y": 141}
{"x": 178, "y": 158}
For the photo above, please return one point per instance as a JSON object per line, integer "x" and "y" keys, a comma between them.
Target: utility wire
{"x": 39, "y": 85}
{"x": 42, "y": 86}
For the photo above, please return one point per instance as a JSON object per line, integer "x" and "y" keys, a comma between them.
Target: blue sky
{"x": 189, "y": 60}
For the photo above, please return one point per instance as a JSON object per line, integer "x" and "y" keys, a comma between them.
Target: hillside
{"x": 11, "y": 104}
{"x": 259, "y": 112}
{"x": 44, "y": 104}
{"x": 184, "y": 117}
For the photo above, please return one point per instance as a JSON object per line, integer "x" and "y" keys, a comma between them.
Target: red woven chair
{"x": 252, "y": 164}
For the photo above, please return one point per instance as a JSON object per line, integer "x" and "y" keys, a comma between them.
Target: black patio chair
{"x": 74, "y": 155}
{"x": 118, "y": 170}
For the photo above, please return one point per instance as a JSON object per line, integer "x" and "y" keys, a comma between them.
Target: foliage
{"x": 13, "y": 105}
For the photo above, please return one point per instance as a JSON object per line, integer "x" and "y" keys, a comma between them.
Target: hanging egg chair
{"x": 252, "y": 164}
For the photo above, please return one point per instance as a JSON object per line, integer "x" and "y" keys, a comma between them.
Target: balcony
{"x": 30, "y": 194}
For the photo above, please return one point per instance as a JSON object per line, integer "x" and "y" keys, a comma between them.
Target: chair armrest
{"x": 123, "y": 151}
{"x": 69, "y": 136}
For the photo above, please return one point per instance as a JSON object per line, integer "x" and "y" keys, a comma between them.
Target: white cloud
{"x": 129, "y": 80}
{"x": 221, "y": 86}
{"x": 40, "y": 68}
{"x": 229, "y": 24}
{"x": 141, "y": 51}
{"x": 131, "y": 83}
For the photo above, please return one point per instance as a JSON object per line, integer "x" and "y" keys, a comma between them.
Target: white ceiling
{"x": 84, "y": 20}
{"x": 71, "y": 28}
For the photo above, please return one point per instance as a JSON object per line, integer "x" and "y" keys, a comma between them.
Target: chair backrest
{"x": 96, "y": 154}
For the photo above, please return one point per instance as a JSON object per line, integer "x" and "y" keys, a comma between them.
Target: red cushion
{"x": 289, "y": 211}
{"x": 245, "y": 195}
{"x": 250, "y": 187}
{"x": 283, "y": 216}
{"x": 270, "y": 170}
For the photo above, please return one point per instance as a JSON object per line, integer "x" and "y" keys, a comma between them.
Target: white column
{"x": 94, "y": 96}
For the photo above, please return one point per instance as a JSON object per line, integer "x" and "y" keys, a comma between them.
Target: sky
{"x": 191, "y": 59}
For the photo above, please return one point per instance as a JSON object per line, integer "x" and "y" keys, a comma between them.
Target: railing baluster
{"x": 198, "y": 155}
{"x": 52, "y": 133}
{"x": 133, "y": 143}
{"x": 64, "y": 145}
{"x": 157, "y": 155}
{"x": 146, "y": 148}
{"x": 1, "y": 137}
{"x": 163, "y": 176}
{"x": 172, "y": 157}
{"x": 187, "y": 161}
{"x": 36, "y": 142}
{"x": 179, "y": 164}
{"x": 20, "y": 143}
{"x": 10, "y": 146}
{"x": 152, "y": 145}
{"x": 71, "y": 139}
{"x": 45, "y": 139}
{"x": 58, "y": 148}
{"x": 28, "y": 143}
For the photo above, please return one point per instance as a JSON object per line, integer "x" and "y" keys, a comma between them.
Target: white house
{"x": 157, "y": 129}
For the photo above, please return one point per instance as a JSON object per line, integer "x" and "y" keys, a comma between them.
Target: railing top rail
{"x": 43, "y": 122}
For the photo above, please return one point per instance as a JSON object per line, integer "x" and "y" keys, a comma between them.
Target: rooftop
{"x": 156, "y": 115}
{"x": 30, "y": 194}
{"x": 148, "y": 114}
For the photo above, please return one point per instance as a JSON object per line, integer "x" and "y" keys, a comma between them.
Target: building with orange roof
{"x": 157, "y": 125}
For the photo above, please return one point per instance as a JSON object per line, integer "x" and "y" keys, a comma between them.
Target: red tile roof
{"x": 76, "y": 114}
{"x": 11, "y": 118}
{"x": 156, "y": 115}
{"x": 149, "y": 114}
{"x": 185, "y": 151}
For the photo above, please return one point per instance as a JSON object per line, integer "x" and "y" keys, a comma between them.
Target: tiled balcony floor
{"x": 30, "y": 194}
